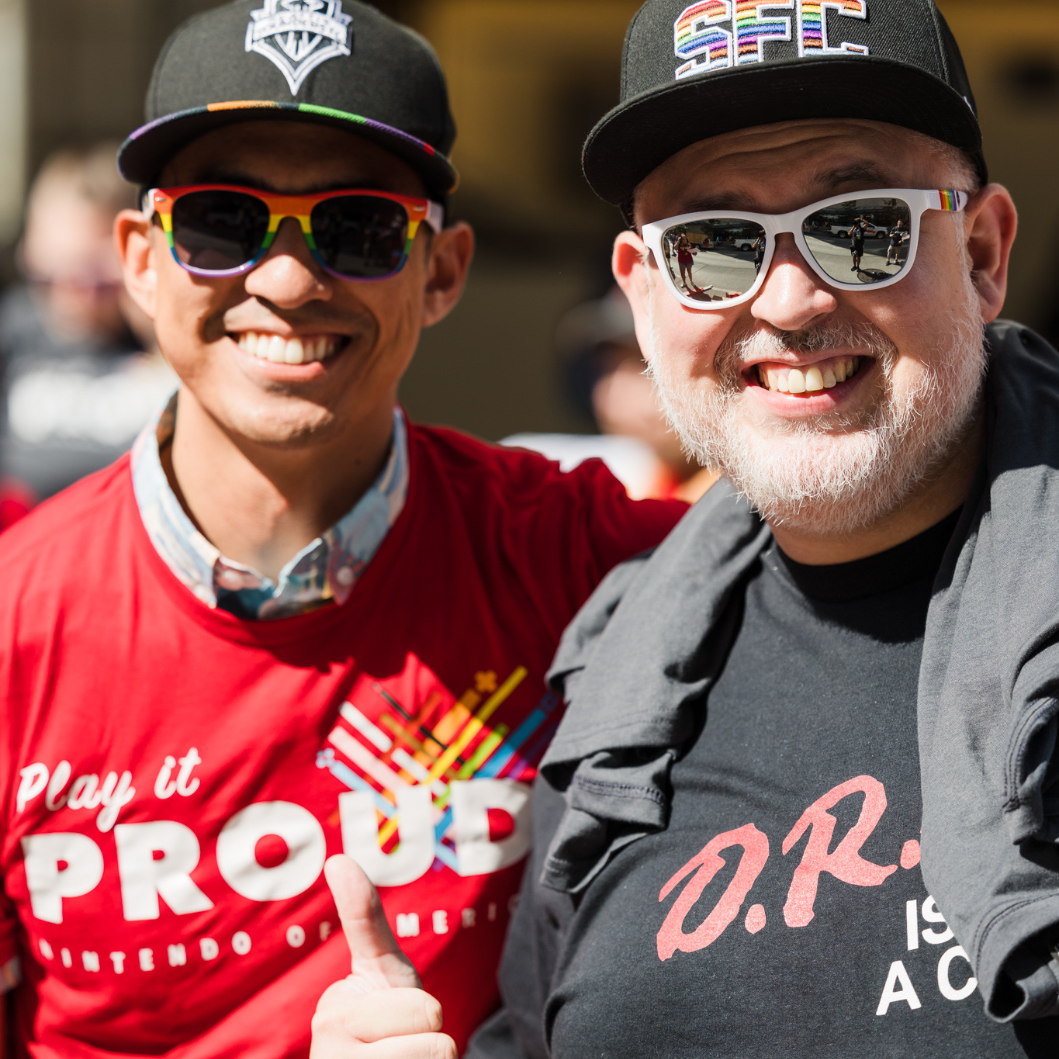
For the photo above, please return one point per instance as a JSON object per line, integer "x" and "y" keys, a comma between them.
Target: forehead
{"x": 776, "y": 168}
{"x": 290, "y": 157}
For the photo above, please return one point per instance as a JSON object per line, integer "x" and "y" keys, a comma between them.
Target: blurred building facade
{"x": 528, "y": 78}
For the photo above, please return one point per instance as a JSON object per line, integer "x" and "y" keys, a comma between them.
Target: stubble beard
{"x": 834, "y": 473}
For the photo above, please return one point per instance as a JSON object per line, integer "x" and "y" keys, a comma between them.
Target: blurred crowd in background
{"x": 81, "y": 371}
{"x": 81, "y": 374}
{"x": 541, "y": 351}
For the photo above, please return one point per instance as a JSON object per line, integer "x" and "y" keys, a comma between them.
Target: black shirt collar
{"x": 911, "y": 561}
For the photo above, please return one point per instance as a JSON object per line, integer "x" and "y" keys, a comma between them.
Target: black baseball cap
{"x": 691, "y": 71}
{"x": 333, "y": 62}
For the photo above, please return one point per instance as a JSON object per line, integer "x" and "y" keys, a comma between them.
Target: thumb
{"x": 378, "y": 962}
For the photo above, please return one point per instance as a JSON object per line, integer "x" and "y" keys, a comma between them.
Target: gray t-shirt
{"x": 782, "y": 911}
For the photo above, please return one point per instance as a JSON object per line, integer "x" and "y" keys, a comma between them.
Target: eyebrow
{"x": 735, "y": 201}
{"x": 854, "y": 173}
{"x": 865, "y": 173}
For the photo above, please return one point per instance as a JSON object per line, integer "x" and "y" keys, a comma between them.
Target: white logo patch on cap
{"x": 299, "y": 35}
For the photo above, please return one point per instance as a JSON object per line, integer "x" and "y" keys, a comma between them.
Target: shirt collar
{"x": 326, "y": 568}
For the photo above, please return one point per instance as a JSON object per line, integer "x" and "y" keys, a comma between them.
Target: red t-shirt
{"x": 173, "y": 777}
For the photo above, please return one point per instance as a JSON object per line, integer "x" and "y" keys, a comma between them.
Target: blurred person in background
{"x": 605, "y": 378}
{"x": 78, "y": 382}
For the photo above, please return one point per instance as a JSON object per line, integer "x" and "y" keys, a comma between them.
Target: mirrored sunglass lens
{"x": 360, "y": 236}
{"x": 860, "y": 241}
{"x": 715, "y": 260}
{"x": 218, "y": 230}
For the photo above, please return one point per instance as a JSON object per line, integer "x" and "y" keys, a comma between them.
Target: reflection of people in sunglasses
{"x": 291, "y": 622}
{"x": 685, "y": 261}
{"x": 759, "y": 252}
{"x": 799, "y": 802}
{"x": 856, "y": 243}
{"x": 897, "y": 235}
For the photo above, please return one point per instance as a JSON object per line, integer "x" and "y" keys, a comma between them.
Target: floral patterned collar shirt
{"x": 325, "y": 569}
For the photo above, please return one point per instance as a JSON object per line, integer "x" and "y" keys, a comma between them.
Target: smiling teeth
{"x": 281, "y": 350}
{"x": 809, "y": 380}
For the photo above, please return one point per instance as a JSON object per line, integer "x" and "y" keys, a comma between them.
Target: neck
{"x": 941, "y": 495}
{"x": 260, "y": 505}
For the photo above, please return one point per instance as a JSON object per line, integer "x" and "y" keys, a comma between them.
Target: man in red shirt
{"x": 290, "y": 623}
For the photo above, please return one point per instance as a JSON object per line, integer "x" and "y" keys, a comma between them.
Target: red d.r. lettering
{"x": 671, "y": 936}
{"x": 845, "y": 863}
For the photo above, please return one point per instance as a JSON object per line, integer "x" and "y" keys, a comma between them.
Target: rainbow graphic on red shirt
{"x": 386, "y": 746}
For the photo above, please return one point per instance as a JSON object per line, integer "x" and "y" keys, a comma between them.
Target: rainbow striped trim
{"x": 303, "y": 108}
{"x": 300, "y": 207}
{"x": 300, "y": 108}
{"x": 326, "y": 112}
{"x": 950, "y": 200}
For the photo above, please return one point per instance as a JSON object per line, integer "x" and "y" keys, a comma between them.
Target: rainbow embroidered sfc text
{"x": 698, "y": 36}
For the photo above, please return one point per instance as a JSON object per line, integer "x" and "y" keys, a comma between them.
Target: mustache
{"x": 770, "y": 343}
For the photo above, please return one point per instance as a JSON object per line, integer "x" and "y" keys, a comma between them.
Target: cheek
{"x": 935, "y": 289}
{"x": 397, "y": 305}
{"x": 920, "y": 313}
{"x": 687, "y": 340}
{"x": 189, "y": 313}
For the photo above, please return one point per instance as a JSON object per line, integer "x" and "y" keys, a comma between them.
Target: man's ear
{"x": 630, "y": 261}
{"x": 451, "y": 251}
{"x": 132, "y": 237}
{"x": 990, "y": 225}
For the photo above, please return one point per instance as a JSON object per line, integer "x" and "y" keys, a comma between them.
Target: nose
{"x": 287, "y": 276}
{"x": 792, "y": 297}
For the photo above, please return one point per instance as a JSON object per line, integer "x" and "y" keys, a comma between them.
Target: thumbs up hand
{"x": 379, "y": 1011}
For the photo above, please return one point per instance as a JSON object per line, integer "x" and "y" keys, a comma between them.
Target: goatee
{"x": 832, "y": 473}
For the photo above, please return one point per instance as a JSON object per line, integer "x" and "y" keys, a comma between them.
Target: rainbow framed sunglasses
{"x": 720, "y": 258}
{"x": 225, "y": 229}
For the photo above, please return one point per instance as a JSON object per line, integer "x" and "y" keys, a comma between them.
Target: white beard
{"x": 833, "y": 473}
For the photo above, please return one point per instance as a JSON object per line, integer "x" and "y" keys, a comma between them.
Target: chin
{"x": 299, "y": 431}
{"x": 844, "y": 471}
{"x": 824, "y": 484}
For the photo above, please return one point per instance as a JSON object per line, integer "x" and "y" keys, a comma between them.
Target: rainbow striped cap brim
{"x": 142, "y": 156}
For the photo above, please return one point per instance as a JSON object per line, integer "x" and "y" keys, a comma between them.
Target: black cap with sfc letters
{"x": 333, "y": 62}
{"x": 695, "y": 70}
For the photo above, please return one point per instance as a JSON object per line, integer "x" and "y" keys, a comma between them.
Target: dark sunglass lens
{"x": 218, "y": 230}
{"x": 863, "y": 240}
{"x": 715, "y": 260}
{"x": 360, "y": 236}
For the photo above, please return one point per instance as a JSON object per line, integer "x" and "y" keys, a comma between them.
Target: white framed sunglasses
{"x": 719, "y": 258}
